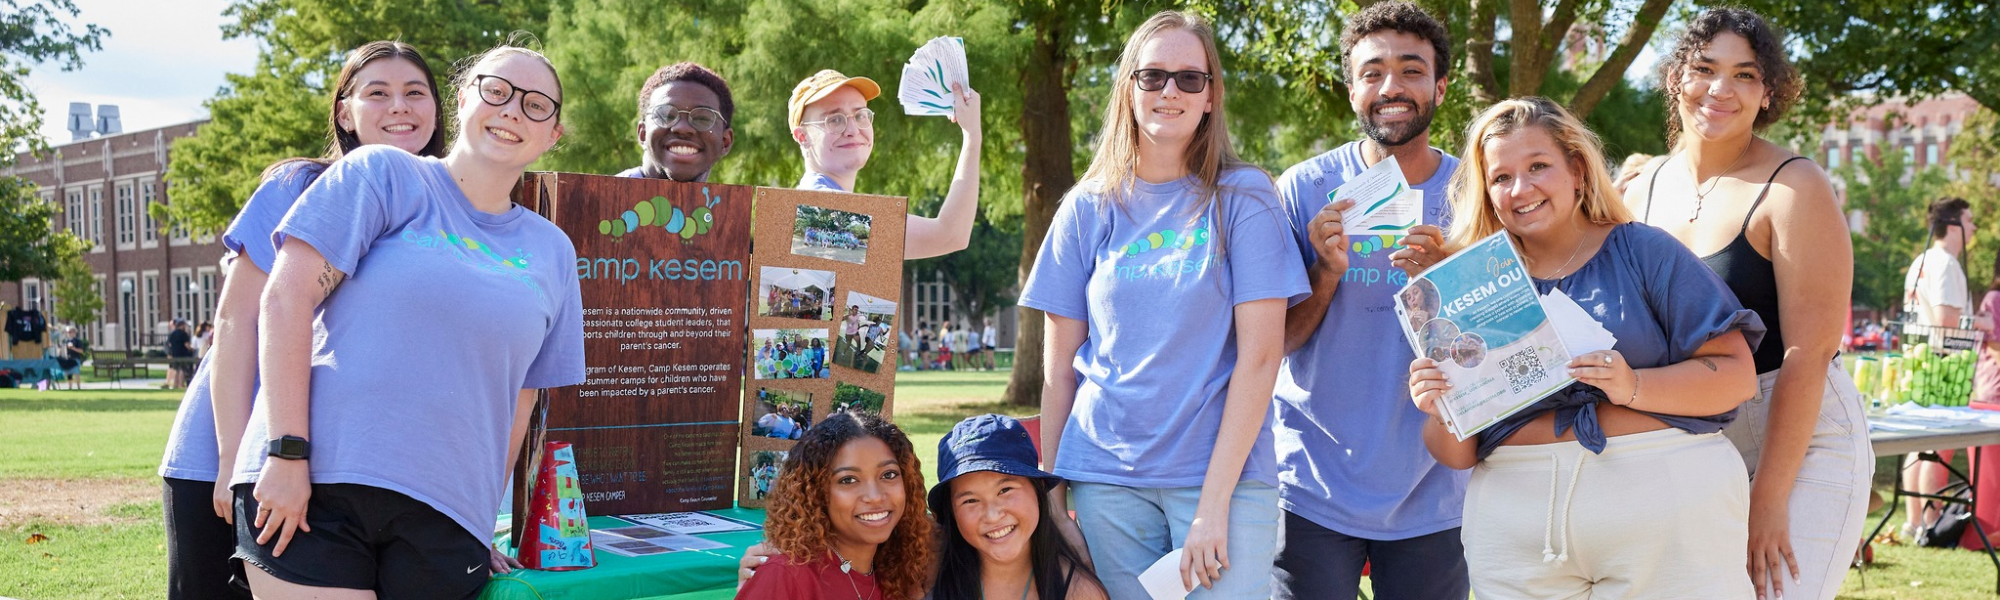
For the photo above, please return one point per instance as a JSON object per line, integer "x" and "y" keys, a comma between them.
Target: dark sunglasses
{"x": 1153, "y": 80}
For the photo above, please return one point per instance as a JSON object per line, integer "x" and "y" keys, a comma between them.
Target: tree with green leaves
{"x": 33, "y": 34}
{"x": 1858, "y": 51}
{"x": 1975, "y": 162}
{"x": 279, "y": 110}
{"x": 78, "y": 299}
{"x": 1894, "y": 200}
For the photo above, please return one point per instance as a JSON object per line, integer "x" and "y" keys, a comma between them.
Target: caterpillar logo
{"x": 658, "y": 212}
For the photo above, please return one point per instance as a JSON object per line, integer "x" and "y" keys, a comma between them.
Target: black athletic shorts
{"x": 369, "y": 538}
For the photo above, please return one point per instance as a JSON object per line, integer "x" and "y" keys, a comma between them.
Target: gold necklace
{"x": 1713, "y": 182}
{"x": 1580, "y": 239}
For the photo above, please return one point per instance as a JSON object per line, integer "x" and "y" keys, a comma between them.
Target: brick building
{"x": 147, "y": 276}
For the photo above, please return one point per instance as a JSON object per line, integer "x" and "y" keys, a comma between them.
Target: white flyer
{"x": 1384, "y": 202}
{"x": 690, "y": 523}
{"x": 1163, "y": 580}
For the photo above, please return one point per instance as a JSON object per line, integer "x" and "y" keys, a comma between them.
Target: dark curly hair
{"x": 1400, "y": 17}
{"x": 687, "y": 71}
{"x": 796, "y": 521}
{"x": 1781, "y": 80}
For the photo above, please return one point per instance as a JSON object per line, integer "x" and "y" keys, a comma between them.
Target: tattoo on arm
{"x": 1708, "y": 363}
{"x": 329, "y": 279}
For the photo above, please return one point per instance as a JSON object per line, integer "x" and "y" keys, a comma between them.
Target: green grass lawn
{"x": 119, "y": 435}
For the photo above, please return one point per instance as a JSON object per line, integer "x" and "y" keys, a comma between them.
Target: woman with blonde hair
{"x": 1162, "y": 430}
{"x": 1782, "y": 246}
{"x": 1622, "y": 479}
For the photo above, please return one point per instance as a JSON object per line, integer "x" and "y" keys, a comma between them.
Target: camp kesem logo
{"x": 658, "y": 211}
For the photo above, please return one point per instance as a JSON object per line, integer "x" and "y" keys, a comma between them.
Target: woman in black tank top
{"x": 1768, "y": 223}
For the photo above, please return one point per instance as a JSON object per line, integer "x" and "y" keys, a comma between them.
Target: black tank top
{"x": 1749, "y": 274}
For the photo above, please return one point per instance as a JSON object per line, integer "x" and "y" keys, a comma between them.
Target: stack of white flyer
{"x": 1384, "y": 202}
{"x": 929, "y": 75}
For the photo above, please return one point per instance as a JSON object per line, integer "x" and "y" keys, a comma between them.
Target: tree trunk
{"x": 1479, "y": 52}
{"x": 1047, "y": 173}
{"x": 1613, "y": 69}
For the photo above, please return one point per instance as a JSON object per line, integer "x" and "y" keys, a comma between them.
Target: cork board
{"x": 818, "y": 254}
{"x": 662, "y": 267}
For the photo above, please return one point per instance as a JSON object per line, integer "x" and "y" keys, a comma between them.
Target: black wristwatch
{"x": 291, "y": 447}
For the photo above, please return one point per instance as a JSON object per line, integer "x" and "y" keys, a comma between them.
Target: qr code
{"x": 1523, "y": 369}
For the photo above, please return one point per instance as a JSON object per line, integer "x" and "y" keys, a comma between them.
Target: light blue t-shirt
{"x": 1158, "y": 290}
{"x": 1351, "y": 454}
{"x": 447, "y": 313}
{"x": 191, "y": 445}
{"x": 818, "y": 182}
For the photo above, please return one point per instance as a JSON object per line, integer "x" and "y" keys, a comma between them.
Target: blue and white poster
{"x": 1477, "y": 315}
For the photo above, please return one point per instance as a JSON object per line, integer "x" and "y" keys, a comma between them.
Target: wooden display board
{"x": 818, "y": 254}
{"x": 663, "y": 268}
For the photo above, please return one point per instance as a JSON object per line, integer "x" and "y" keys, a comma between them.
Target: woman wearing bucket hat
{"x": 835, "y": 130}
{"x": 988, "y": 504}
{"x": 988, "y": 501}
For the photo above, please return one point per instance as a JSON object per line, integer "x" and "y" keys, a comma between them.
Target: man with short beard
{"x": 685, "y": 111}
{"x": 1355, "y": 480}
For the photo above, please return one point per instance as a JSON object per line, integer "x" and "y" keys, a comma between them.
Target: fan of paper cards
{"x": 927, "y": 78}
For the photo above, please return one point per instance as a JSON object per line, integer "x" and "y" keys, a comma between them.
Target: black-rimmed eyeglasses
{"x": 497, "y": 91}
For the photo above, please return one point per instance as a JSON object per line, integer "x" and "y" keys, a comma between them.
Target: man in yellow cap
{"x": 835, "y": 131}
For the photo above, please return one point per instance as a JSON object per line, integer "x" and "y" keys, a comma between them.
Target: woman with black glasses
{"x": 835, "y": 130}
{"x": 372, "y": 468}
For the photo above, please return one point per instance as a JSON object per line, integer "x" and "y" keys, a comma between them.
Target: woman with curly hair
{"x": 847, "y": 517}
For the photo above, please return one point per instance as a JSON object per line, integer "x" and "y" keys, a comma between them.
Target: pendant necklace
{"x": 847, "y": 568}
{"x": 1713, "y": 182}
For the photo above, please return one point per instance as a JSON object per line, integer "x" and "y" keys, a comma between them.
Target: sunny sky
{"x": 160, "y": 62}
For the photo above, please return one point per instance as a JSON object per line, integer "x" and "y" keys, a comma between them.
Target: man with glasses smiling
{"x": 835, "y": 131}
{"x": 685, "y": 111}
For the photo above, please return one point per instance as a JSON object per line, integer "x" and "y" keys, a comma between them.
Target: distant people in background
{"x": 909, "y": 349}
{"x": 1934, "y": 296}
{"x": 944, "y": 345}
{"x": 74, "y": 351}
{"x": 924, "y": 340}
{"x": 987, "y": 339}
{"x": 974, "y": 351}
{"x": 180, "y": 344}
{"x": 204, "y": 335}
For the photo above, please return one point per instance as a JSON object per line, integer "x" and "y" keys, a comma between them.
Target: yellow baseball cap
{"x": 823, "y": 84}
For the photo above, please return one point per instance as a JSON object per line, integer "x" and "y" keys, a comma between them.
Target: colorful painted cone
{"x": 564, "y": 540}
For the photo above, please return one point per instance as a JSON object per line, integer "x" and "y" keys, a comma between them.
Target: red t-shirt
{"x": 782, "y": 579}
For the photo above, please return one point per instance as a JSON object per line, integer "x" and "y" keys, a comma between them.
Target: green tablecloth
{"x": 687, "y": 575}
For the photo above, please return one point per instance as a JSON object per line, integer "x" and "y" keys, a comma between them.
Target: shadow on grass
{"x": 903, "y": 383}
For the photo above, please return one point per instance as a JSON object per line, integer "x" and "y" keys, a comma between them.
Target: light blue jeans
{"x": 1129, "y": 528}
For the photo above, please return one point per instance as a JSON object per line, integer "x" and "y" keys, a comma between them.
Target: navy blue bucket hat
{"x": 985, "y": 443}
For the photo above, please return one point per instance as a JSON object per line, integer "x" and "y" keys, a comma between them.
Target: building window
{"x": 97, "y": 218}
{"x": 1931, "y": 154}
{"x": 207, "y": 291}
{"x": 184, "y": 294}
{"x": 96, "y": 330}
{"x": 1909, "y": 160}
{"x": 128, "y": 220}
{"x": 74, "y": 217}
{"x": 128, "y": 311}
{"x": 1833, "y": 158}
{"x": 32, "y": 296}
{"x": 149, "y": 288}
{"x": 149, "y": 232}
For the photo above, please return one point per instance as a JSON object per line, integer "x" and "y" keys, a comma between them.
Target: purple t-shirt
{"x": 1158, "y": 292}
{"x": 191, "y": 445}
{"x": 818, "y": 182}
{"x": 447, "y": 313}
{"x": 1351, "y": 453}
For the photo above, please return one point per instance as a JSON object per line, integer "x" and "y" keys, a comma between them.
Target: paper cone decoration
{"x": 557, "y": 513}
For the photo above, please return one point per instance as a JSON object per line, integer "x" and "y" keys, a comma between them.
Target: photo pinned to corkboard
{"x": 831, "y": 234}
{"x": 867, "y": 323}
{"x": 795, "y": 293}
{"x": 781, "y": 414}
{"x": 854, "y": 398}
{"x": 760, "y": 474}
{"x": 789, "y": 354}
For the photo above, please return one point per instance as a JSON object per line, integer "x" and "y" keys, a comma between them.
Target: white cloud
{"x": 160, "y": 62}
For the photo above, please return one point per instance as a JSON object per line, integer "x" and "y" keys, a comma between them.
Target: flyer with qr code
{"x": 1477, "y": 315}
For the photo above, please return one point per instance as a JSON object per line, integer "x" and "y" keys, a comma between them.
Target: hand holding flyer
{"x": 1476, "y": 314}
{"x": 1384, "y": 202}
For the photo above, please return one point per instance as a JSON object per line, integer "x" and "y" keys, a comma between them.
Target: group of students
{"x": 1245, "y": 399}
{"x": 314, "y": 456}
{"x": 957, "y": 348}
{"x": 1241, "y": 398}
